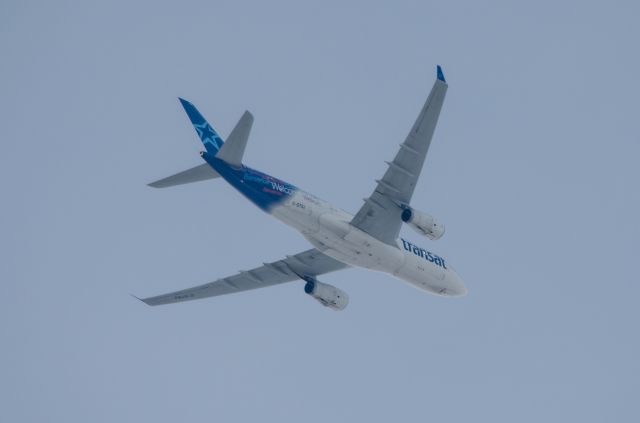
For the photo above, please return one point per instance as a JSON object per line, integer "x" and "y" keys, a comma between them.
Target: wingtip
{"x": 139, "y": 299}
{"x": 441, "y": 74}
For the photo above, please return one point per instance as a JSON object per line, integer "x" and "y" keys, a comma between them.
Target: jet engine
{"x": 423, "y": 223}
{"x": 327, "y": 295}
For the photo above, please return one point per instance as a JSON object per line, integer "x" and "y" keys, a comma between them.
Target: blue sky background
{"x": 533, "y": 168}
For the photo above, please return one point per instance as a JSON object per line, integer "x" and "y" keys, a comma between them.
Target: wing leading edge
{"x": 308, "y": 263}
{"x": 380, "y": 214}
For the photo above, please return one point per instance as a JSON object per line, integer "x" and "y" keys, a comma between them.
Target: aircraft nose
{"x": 456, "y": 286}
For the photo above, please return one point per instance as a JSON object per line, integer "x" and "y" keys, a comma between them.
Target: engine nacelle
{"x": 327, "y": 295}
{"x": 423, "y": 223}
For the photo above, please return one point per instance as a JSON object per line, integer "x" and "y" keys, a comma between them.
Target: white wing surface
{"x": 308, "y": 263}
{"x": 380, "y": 215}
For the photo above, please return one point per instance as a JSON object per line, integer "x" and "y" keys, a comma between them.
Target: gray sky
{"x": 533, "y": 169}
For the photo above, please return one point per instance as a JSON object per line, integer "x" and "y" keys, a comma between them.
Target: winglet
{"x": 209, "y": 137}
{"x": 441, "y": 75}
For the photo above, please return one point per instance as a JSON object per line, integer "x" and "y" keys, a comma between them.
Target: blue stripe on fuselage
{"x": 263, "y": 190}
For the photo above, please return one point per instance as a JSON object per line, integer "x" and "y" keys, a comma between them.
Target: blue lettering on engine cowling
{"x": 421, "y": 252}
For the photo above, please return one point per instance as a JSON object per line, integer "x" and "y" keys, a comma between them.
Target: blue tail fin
{"x": 209, "y": 137}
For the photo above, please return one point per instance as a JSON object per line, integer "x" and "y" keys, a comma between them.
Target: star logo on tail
{"x": 208, "y": 135}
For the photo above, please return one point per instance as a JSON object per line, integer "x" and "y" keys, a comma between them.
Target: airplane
{"x": 369, "y": 240}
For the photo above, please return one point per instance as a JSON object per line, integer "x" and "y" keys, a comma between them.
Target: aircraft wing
{"x": 308, "y": 263}
{"x": 380, "y": 215}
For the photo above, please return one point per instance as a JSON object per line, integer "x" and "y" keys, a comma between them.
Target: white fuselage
{"x": 328, "y": 229}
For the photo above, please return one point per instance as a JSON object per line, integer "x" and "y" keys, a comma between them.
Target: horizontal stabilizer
{"x": 233, "y": 148}
{"x": 195, "y": 174}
